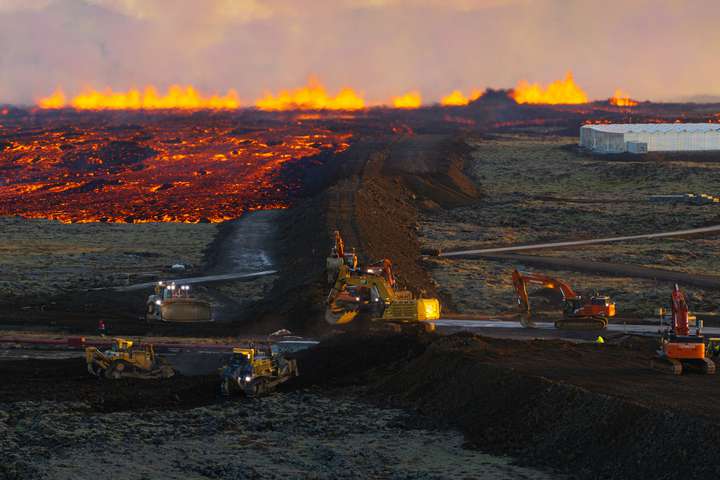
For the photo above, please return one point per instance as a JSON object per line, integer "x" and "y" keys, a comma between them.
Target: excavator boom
{"x": 577, "y": 313}
{"x": 680, "y": 313}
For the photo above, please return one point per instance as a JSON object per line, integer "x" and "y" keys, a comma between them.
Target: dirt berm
{"x": 376, "y": 189}
{"x": 589, "y": 411}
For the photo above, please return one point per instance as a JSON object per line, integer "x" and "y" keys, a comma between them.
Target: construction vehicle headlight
{"x": 248, "y": 378}
{"x": 429, "y": 309}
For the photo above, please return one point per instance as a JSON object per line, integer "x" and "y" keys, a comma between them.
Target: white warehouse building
{"x": 650, "y": 137}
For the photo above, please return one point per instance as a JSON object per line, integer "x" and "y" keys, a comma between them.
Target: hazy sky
{"x": 657, "y": 49}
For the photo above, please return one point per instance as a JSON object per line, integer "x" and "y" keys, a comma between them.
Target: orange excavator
{"x": 578, "y": 313}
{"x": 338, "y": 258}
{"x": 679, "y": 349}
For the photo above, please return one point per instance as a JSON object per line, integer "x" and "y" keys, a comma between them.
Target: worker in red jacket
{"x": 102, "y": 328}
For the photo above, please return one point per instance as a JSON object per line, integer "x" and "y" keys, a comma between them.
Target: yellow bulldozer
{"x": 175, "y": 303}
{"x": 256, "y": 371}
{"x": 371, "y": 293}
{"x": 125, "y": 360}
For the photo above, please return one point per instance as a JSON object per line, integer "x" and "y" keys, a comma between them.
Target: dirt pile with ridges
{"x": 587, "y": 431}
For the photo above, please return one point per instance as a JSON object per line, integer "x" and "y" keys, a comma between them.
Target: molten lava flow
{"x": 558, "y": 92}
{"x": 456, "y": 98}
{"x": 157, "y": 168}
{"x": 311, "y": 97}
{"x": 408, "y": 100}
{"x": 176, "y": 97}
{"x": 56, "y": 100}
{"x": 622, "y": 99}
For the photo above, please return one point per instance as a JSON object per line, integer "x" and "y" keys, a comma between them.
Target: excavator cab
{"x": 601, "y": 301}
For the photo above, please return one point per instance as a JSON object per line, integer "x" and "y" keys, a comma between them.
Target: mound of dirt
{"x": 432, "y": 168}
{"x": 68, "y": 380}
{"x": 350, "y": 359}
{"x": 376, "y": 189}
{"x": 575, "y": 407}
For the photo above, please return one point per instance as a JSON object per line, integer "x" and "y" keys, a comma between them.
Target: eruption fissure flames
{"x": 411, "y": 99}
{"x": 559, "y": 92}
{"x": 167, "y": 170}
{"x": 311, "y": 97}
{"x": 176, "y": 98}
{"x": 457, "y": 99}
{"x": 622, "y": 99}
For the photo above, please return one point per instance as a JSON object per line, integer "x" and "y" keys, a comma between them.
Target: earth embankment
{"x": 590, "y": 411}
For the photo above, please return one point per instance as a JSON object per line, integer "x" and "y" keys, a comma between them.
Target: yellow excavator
{"x": 371, "y": 294}
{"x": 125, "y": 360}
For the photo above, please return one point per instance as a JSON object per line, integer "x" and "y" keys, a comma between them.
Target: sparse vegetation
{"x": 546, "y": 190}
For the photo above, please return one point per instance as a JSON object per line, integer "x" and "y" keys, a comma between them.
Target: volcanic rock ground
{"x": 301, "y": 434}
{"x": 382, "y": 406}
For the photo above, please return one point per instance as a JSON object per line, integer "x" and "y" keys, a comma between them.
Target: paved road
{"x": 514, "y": 329}
{"x": 677, "y": 233}
{"x": 206, "y": 279}
{"x": 608, "y": 268}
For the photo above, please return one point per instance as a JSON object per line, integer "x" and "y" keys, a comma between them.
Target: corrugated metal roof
{"x": 655, "y": 127}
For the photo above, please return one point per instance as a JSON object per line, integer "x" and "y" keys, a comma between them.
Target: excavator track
{"x": 705, "y": 366}
{"x": 709, "y": 367}
{"x": 403, "y": 327}
{"x": 592, "y": 323}
{"x": 667, "y": 365}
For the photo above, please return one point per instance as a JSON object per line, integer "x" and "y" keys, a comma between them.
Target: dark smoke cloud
{"x": 653, "y": 49}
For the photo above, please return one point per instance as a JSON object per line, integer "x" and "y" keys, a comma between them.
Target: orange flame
{"x": 622, "y": 99}
{"x": 55, "y": 100}
{"x": 456, "y": 98}
{"x": 177, "y": 97}
{"x": 311, "y": 97}
{"x": 558, "y": 92}
{"x": 409, "y": 100}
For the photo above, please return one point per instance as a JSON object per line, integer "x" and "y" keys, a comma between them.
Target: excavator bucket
{"x": 526, "y": 321}
{"x": 338, "y": 316}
